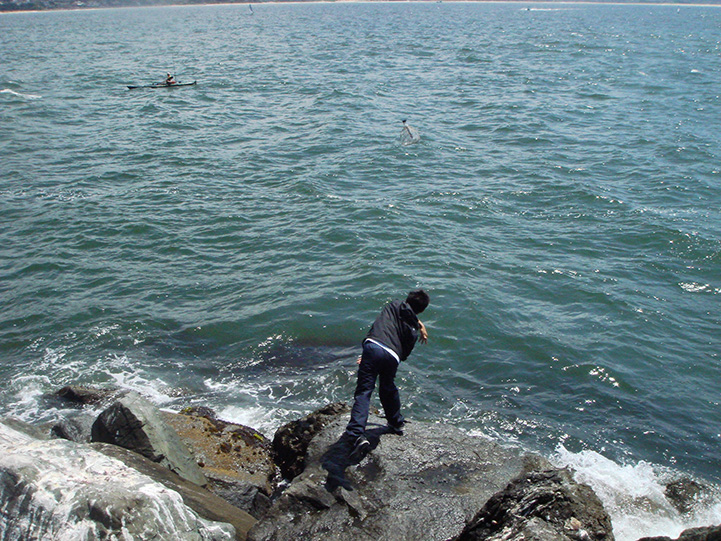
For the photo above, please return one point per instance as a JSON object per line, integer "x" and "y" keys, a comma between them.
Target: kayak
{"x": 163, "y": 85}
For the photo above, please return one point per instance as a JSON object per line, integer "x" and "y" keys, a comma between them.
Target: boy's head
{"x": 418, "y": 300}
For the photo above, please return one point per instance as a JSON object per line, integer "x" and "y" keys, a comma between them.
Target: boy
{"x": 390, "y": 340}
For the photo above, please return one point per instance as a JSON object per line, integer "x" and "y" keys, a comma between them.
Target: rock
{"x": 291, "y": 441}
{"x": 24, "y": 428}
{"x": 425, "y": 484}
{"x": 203, "y": 502}
{"x": 57, "y": 489}
{"x": 711, "y": 533}
{"x": 541, "y": 506}
{"x": 684, "y": 493}
{"x": 77, "y": 428}
{"x": 84, "y": 396}
{"x": 134, "y": 423}
{"x": 245, "y": 496}
{"x": 236, "y": 460}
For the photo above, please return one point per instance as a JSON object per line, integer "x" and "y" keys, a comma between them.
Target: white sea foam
{"x": 24, "y": 393}
{"x": 261, "y": 419}
{"x": 26, "y": 396}
{"x": 695, "y": 287}
{"x": 153, "y": 388}
{"x": 633, "y": 496}
{"x": 20, "y": 95}
{"x": 254, "y": 405}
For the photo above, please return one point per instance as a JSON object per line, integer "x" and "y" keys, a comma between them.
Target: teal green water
{"x": 229, "y": 244}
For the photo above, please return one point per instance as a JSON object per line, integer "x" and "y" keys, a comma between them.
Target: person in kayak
{"x": 170, "y": 80}
{"x": 390, "y": 340}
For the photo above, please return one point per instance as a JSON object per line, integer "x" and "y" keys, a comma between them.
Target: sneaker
{"x": 397, "y": 430}
{"x": 362, "y": 446}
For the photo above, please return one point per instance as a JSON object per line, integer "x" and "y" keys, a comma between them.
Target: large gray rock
{"x": 60, "y": 490}
{"x": 236, "y": 460}
{"x": 541, "y": 506}
{"x": 207, "y": 505}
{"x": 134, "y": 423}
{"x": 425, "y": 485}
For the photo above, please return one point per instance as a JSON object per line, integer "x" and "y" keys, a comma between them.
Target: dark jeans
{"x": 376, "y": 362}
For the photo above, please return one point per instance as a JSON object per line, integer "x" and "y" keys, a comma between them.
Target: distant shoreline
{"x": 717, "y": 3}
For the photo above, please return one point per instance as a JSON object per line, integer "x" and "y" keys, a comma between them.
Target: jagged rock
{"x": 57, "y": 489}
{"x": 134, "y": 423}
{"x": 684, "y": 493}
{"x": 84, "y": 396}
{"x": 236, "y": 460}
{"x": 423, "y": 485}
{"x": 77, "y": 428}
{"x": 711, "y": 533}
{"x": 291, "y": 441}
{"x": 541, "y": 506}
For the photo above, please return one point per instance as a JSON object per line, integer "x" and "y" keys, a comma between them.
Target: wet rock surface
{"x": 684, "y": 493}
{"x": 205, "y": 503}
{"x": 291, "y": 440}
{"x": 88, "y": 396}
{"x": 542, "y": 506}
{"x": 57, "y": 489}
{"x": 236, "y": 460}
{"x": 134, "y": 423}
{"x": 423, "y": 485}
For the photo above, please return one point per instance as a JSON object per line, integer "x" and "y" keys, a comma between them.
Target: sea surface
{"x": 228, "y": 244}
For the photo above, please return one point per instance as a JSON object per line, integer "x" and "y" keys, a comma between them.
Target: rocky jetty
{"x": 120, "y": 469}
{"x": 423, "y": 485}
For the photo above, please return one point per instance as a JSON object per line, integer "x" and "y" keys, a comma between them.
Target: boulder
{"x": 57, "y": 489}
{"x": 206, "y": 504}
{"x": 425, "y": 484}
{"x": 236, "y": 460}
{"x": 291, "y": 441}
{"x": 81, "y": 404}
{"x": 77, "y": 428}
{"x": 541, "y": 506}
{"x": 88, "y": 396}
{"x": 135, "y": 424}
{"x": 711, "y": 533}
{"x": 684, "y": 494}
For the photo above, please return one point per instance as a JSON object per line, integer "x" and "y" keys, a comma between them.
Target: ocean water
{"x": 229, "y": 244}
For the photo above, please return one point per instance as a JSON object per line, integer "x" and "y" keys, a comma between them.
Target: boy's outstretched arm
{"x": 424, "y": 333}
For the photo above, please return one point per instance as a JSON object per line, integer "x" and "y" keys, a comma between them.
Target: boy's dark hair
{"x": 418, "y": 300}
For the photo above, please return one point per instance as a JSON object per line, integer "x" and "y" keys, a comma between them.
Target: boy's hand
{"x": 424, "y": 333}
{"x": 358, "y": 360}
